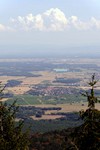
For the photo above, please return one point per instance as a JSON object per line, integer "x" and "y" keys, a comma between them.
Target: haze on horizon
{"x": 33, "y": 28}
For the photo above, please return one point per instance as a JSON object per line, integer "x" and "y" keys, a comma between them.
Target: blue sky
{"x": 35, "y": 26}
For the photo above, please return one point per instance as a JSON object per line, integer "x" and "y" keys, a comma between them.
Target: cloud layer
{"x": 51, "y": 20}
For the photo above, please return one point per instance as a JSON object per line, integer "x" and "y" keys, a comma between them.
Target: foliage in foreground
{"x": 11, "y": 135}
{"x": 88, "y": 135}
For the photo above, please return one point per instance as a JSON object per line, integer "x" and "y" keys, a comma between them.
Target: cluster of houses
{"x": 52, "y": 91}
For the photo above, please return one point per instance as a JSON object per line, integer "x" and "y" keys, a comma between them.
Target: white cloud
{"x": 78, "y": 24}
{"x": 38, "y": 22}
{"x": 28, "y": 22}
{"x": 2, "y": 27}
{"x": 95, "y": 22}
{"x": 53, "y": 19}
{"x": 5, "y": 28}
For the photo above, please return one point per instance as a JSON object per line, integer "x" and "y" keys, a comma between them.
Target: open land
{"x": 49, "y": 84}
{"x": 48, "y": 77}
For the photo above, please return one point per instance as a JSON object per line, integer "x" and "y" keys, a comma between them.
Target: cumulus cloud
{"x": 53, "y": 19}
{"x": 28, "y": 22}
{"x": 78, "y": 24}
{"x": 95, "y": 22}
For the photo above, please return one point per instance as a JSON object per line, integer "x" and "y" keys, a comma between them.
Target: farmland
{"x": 48, "y": 83}
{"x": 42, "y": 73}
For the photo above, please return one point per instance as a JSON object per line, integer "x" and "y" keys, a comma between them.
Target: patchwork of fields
{"x": 48, "y": 80}
{"x": 49, "y": 84}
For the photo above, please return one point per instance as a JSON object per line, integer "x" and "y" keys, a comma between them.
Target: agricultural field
{"x": 29, "y": 73}
{"x": 48, "y": 81}
{"x": 48, "y": 84}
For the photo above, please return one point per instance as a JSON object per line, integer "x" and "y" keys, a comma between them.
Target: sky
{"x": 29, "y": 27}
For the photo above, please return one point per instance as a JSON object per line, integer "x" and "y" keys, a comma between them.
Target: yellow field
{"x": 28, "y": 82}
{"x": 47, "y": 117}
{"x": 76, "y": 107}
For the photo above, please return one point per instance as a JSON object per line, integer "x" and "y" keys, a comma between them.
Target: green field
{"x": 35, "y": 100}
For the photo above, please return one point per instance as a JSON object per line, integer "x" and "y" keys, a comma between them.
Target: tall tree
{"x": 88, "y": 134}
{"x": 91, "y": 99}
{"x": 11, "y": 135}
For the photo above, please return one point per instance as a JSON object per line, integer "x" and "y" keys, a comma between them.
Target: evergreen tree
{"x": 11, "y": 135}
{"x": 91, "y": 112}
{"x": 88, "y": 134}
